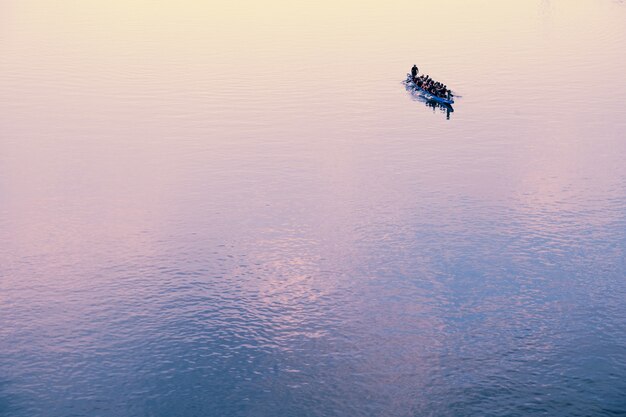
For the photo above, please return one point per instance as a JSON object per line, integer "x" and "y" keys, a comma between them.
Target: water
{"x": 219, "y": 209}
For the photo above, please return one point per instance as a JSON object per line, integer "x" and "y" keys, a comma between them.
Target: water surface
{"x": 220, "y": 209}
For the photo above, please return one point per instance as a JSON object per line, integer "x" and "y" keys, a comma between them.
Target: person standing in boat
{"x": 414, "y": 72}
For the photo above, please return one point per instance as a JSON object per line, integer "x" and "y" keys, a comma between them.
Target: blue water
{"x": 208, "y": 210}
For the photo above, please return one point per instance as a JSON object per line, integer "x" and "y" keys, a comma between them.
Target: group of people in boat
{"x": 428, "y": 84}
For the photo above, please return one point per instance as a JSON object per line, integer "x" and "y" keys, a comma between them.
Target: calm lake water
{"x": 237, "y": 209}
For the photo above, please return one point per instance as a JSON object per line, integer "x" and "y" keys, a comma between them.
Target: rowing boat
{"x": 428, "y": 96}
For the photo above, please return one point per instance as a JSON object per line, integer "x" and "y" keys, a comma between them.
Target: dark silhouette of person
{"x": 414, "y": 71}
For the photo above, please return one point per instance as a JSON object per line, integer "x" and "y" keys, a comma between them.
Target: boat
{"x": 428, "y": 96}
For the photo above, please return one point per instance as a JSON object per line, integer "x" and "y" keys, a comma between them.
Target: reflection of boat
{"x": 445, "y": 108}
{"x": 428, "y": 96}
